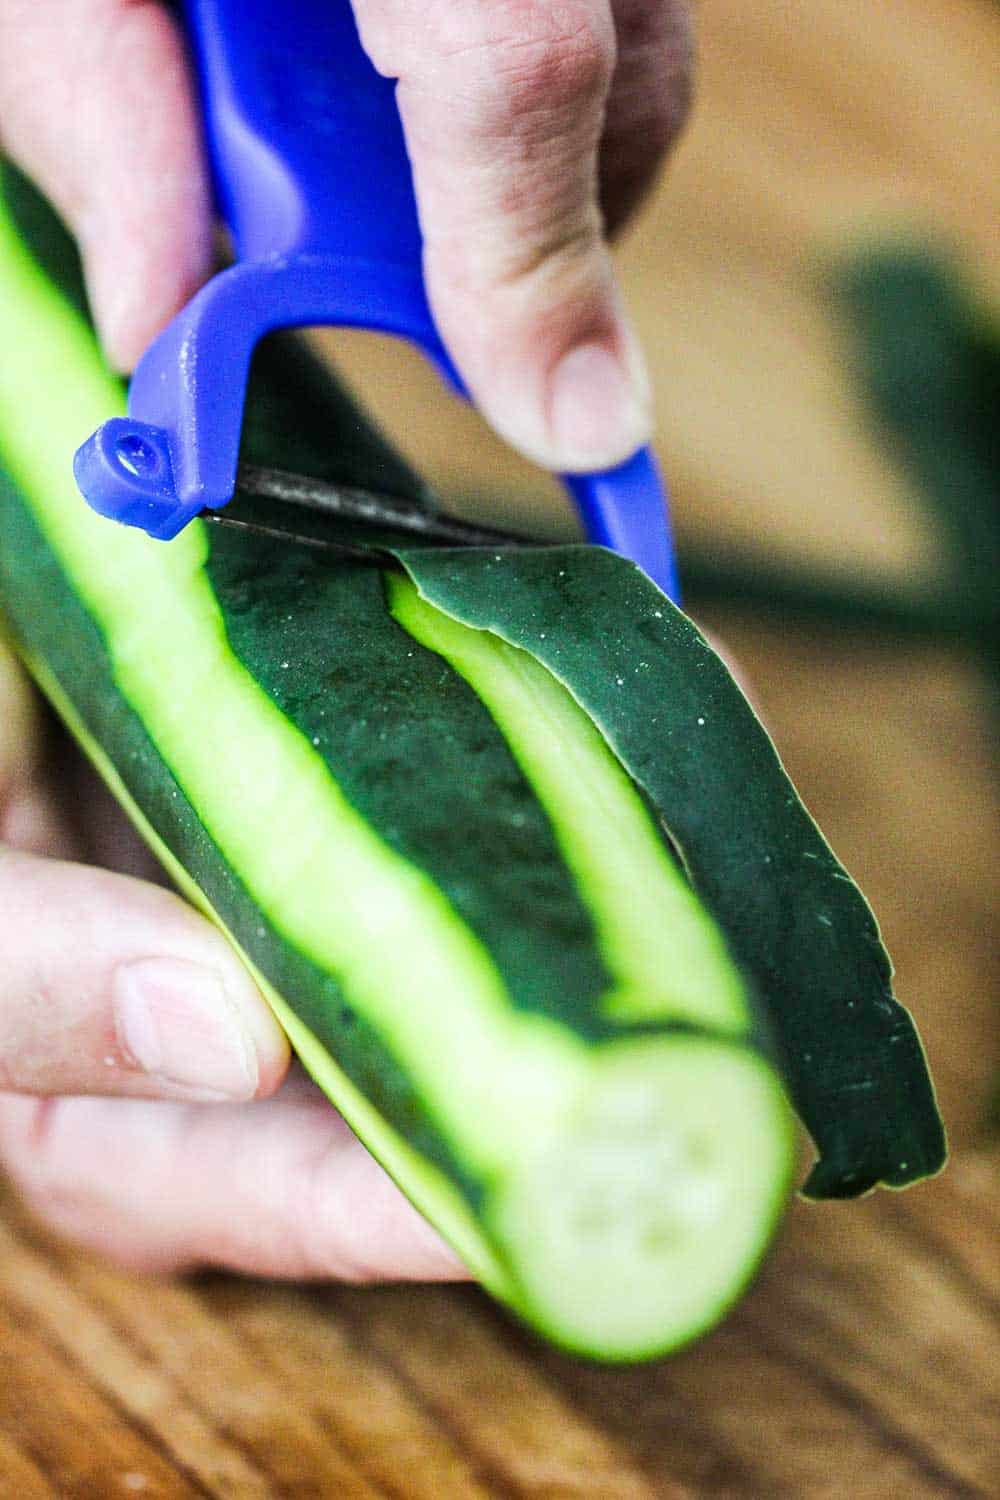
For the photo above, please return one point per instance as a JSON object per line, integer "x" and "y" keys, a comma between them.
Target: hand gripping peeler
{"x": 313, "y": 181}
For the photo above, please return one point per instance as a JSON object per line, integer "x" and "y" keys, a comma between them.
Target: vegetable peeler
{"x": 313, "y": 181}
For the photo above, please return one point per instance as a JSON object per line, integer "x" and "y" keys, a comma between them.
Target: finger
{"x": 649, "y": 100}
{"x": 111, "y": 986}
{"x": 96, "y": 105}
{"x": 503, "y": 105}
{"x": 280, "y": 1188}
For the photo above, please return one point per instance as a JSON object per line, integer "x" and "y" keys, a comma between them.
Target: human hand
{"x": 201, "y": 1151}
{"x": 525, "y": 119}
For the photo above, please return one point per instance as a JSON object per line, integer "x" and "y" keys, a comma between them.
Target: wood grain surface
{"x": 864, "y": 1361}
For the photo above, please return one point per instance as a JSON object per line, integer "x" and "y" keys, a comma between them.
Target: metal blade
{"x": 375, "y": 555}
{"x": 346, "y": 503}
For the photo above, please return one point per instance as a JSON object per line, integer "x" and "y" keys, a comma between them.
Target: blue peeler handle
{"x": 312, "y": 178}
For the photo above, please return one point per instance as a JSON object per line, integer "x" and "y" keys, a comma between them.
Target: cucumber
{"x": 429, "y": 804}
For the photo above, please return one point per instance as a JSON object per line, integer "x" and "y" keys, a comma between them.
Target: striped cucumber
{"x": 431, "y": 808}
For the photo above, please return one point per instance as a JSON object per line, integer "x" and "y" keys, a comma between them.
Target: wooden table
{"x": 864, "y": 1362}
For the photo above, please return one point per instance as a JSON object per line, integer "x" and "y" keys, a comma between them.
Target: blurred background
{"x": 817, "y": 283}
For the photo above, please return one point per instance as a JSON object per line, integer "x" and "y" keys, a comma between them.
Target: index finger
{"x": 96, "y": 106}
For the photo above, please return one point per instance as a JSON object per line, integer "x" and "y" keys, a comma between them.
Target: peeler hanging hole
{"x": 138, "y": 457}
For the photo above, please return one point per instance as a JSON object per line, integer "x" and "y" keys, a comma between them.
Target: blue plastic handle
{"x": 312, "y": 178}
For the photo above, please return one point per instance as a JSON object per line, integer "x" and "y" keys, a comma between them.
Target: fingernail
{"x": 599, "y": 407}
{"x": 177, "y": 1023}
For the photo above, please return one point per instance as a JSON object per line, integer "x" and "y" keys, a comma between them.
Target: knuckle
{"x": 30, "y": 1149}
{"x": 24, "y": 1127}
{"x": 552, "y": 58}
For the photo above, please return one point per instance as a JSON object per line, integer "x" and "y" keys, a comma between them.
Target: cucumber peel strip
{"x": 671, "y": 964}
{"x": 795, "y": 922}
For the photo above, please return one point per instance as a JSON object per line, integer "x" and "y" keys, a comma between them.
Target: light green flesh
{"x": 637, "y": 1226}
{"x": 629, "y": 1186}
{"x": 668, "y": 957}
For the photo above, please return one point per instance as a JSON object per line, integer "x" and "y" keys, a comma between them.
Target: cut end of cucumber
{"x": 639, "y": 1225}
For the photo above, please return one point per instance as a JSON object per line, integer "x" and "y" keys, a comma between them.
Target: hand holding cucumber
{"x": 115, "y": 989}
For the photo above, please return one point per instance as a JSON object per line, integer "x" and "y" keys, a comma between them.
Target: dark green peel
{"x": 794, "y": 919}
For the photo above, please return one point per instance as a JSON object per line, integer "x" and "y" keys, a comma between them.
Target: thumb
{"x": 112, "y": 986}
{"x": 503, "y": 107}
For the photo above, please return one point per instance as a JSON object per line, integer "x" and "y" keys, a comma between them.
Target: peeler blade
{"x": 297, "y": 507}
